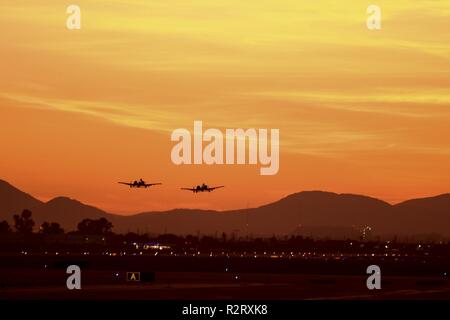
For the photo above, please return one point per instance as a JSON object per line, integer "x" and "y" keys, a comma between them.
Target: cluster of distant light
{"x": 149, "y": 249}
{"x": 154, "y": 246}
{"x": 254, "y": 254}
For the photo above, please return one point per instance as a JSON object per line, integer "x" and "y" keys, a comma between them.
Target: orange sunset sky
{"x": 359, "y": 111}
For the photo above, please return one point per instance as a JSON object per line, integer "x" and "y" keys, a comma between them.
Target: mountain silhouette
{"x": 13, "y": 201}
{"x": 315, "y": 209}
{"x": 425, "y": 215}
{"x": 68, "y": 212}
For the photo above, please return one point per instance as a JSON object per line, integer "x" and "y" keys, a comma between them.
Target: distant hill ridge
{"x": 282, "y": 217}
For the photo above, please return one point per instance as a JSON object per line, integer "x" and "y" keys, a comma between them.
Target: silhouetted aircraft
{"x": 139, "y": 184}
{"x": 202, "y": 188}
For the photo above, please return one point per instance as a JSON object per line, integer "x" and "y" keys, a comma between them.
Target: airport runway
{"x": 222, "y": 286}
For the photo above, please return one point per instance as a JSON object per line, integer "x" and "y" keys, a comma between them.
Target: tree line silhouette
{"x": 24, "y": 224}
{"x": 95, "y": 235}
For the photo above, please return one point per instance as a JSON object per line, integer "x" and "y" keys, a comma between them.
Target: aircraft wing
{"x": 151, "y": 184}
{"x": 190, "y": 189}
{"x": 213, "y": 188}
{"x": 128, "y": 184}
